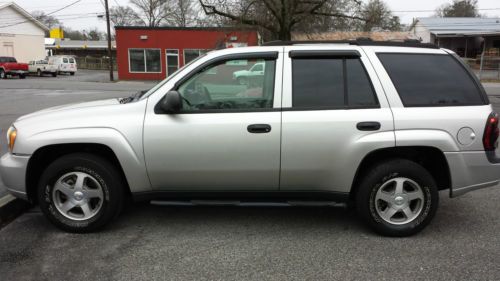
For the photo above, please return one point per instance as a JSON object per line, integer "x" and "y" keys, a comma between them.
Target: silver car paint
{"x": 322, "y": 149}
{"x": 118, "y": 126}
{"x": 210, "y": 151}
{"x": 319, "y": 149}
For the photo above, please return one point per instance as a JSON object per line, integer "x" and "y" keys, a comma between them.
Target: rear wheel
{"x": 72, "y": 73}
{"x": 54, "y": 74}
{"x": 397, "y": 198}
{"x": 39, "y": 73}
{"x": 2, "y": 74}
{"x": 80, "y": 192}
{"x": 22, "y": 76}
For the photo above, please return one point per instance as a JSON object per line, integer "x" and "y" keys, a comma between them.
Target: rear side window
{"x": 331, "y": 83}
{"x": 431, "y": 80}
{"x": 65, "y": 60}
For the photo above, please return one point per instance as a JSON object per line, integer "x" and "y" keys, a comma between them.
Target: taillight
{"x": 491, "y": 132}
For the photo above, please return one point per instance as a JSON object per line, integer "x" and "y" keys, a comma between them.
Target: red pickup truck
{"x": 10, "y": 66}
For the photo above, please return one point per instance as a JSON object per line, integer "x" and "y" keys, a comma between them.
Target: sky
{"x": 83, "y": 15}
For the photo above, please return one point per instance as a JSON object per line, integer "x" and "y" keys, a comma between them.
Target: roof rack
{"x": 358, "y": 42}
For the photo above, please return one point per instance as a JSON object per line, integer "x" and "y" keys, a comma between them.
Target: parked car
{"x": 42, "y": 67}
{"x": 243, "y": 76}
{"x": 64, "y": 64}
{"x": 10, "y": 66}
{"x": 382, "y": 126}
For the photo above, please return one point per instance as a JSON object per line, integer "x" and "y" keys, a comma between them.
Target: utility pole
{"x": 110, "y": 51}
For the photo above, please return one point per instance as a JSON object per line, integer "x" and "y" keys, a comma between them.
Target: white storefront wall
{"x": 20, "y": 37}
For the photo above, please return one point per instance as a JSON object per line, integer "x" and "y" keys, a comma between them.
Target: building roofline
{"x": 217, "y": 28}
{"x": 25, "y": 13}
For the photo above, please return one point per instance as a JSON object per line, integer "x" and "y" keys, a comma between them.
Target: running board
{"x": 248, "y": 204}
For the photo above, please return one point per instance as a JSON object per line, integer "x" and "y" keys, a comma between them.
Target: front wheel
{"x": 54, "y": 74}
{"x": 80, "y": 192}
{"x": 397, "y": 198}
{"x": 72, "y": 73}
{"x": 2, "y": 74}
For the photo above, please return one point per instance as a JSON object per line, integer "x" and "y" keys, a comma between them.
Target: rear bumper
{"x": 472, "y": 170}
{"x": 13, "y": 172}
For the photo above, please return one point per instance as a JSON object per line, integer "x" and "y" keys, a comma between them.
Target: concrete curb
{"x": 11, "y": 207}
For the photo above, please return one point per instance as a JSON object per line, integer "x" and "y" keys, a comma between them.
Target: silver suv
{"x": 383, "y": 126}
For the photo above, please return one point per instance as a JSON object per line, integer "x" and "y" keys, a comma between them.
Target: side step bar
{"x": 248, "y": 204}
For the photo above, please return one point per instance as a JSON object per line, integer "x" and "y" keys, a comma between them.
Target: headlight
{"x": 11, "y": 137}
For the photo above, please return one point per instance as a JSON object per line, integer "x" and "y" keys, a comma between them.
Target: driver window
{"x": 230, "y": 85}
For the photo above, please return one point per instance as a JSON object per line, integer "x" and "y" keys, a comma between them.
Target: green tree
{"x": 459, "y": 8}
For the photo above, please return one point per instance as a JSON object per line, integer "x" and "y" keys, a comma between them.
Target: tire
{"x": 72, "y": 73}
{"x": 54, "y": 74}
{"x": 2, "y": 74}
{"x": 385, "y": 210}
{"x": 242, "y": 80}
{"x": 22, "y": 76}
{"x": 39, "y": 73}
{"x": 98, "y": 178}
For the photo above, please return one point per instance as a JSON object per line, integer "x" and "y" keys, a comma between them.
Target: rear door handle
{"x": 368, "y": 126}
{"x": 259, "y": 128}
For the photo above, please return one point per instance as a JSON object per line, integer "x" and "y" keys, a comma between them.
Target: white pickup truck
{"x": 41, "y": 67}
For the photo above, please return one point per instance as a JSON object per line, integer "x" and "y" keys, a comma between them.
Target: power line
{"x": 51, "y": 13}
{"x": 427, "y": 11}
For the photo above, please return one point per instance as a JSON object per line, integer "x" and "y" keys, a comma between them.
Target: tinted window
{"x": 317, "y": 82}
{"x": 359, "y": 87}
{"x": 431, "y": 80}
{"x": 228, "y": 85}
{"x": 65, "y": 60}
{"x": 321, "y": 83}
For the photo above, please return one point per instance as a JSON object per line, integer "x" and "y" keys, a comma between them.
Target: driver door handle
{"x": 259, "y": 128}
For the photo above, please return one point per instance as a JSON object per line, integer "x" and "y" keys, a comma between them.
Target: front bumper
{"x": 17, "y": 72}
{"x": 471, "y": 170}
{"x": 13, "y": 172}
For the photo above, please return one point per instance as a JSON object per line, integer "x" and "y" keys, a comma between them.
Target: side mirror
{"x": 172, "y": 102}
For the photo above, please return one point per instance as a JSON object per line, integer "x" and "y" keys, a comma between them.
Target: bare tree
{"x": 183, "y": 12}
{"x": 152, "y": 12}
{"x": 47, "y": 20}
{"x": 279, "y": 17}
{"x": 459, "y": 8}
{"x": 124, "y": 16}
{"x": 379, "y": 15}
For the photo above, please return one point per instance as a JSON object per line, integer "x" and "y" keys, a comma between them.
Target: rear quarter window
{"x": 431, "y": 80}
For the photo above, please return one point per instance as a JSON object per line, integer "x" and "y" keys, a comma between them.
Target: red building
{"x": 146, "y": 53}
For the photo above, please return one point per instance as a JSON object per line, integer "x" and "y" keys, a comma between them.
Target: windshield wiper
{"x": 133, "y": 97}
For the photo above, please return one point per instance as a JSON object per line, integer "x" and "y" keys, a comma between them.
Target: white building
{"x": 468, "y": 37}
{"x": 21, "y": 35}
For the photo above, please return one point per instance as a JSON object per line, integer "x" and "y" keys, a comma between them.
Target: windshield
{"x": 159, "y": 85}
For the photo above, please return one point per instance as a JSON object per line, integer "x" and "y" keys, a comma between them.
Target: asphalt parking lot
{"x": 228, "y": 243}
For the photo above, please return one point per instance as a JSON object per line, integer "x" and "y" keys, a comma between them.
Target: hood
{"x": 71, "y": 106}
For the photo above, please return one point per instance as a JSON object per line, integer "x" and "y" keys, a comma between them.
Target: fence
{"x": 490, "y": 68}
{"x": 94, "y": 63}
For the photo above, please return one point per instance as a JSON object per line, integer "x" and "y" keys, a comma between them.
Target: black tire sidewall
{"x": 365, "y": 199}
{"x": 98, "y": 168}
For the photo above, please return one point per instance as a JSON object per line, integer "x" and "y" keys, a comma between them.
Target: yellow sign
{"x": 57, "y": 33}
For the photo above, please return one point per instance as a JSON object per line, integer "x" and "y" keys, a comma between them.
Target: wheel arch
{"x": 45, "y": 155}
{"x": 431, "y": 158}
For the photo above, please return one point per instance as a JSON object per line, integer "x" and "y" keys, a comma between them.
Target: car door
{"x": 334, "y": 114}
{"x": 226, "y": 137}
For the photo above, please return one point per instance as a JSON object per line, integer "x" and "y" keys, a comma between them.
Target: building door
{"x": 8, "y": 49}
{"x": 172, "y": 56}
